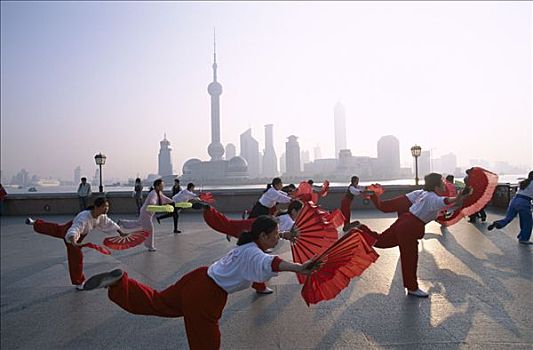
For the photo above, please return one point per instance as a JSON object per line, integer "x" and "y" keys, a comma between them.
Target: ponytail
{"x": 263, "y": 223}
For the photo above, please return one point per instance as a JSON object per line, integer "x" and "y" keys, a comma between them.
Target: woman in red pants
{"x": 200, "y": 296}
{"x": 73, "y": 233}
{"x": 410, "y": 227}
{"x": 351, "y": 192}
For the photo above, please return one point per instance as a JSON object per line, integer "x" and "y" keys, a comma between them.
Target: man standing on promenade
{"x": 84, "y": 192}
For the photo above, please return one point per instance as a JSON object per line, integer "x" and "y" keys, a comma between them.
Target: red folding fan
{"x": 96, "y": 247}
{"x": 335, "y": 217}
{"x": 483, "y": 184}
{"x": 324, "y": 190}
{"x": 316, "y": 234}
{"x": 304, "y": 192}
{"x": 207, "y": 197}
{"x": 124, "y": 242}
{"x": 374, "y": 189}
{"x": 345, "y": 259}
{"x": 219, "y": 222}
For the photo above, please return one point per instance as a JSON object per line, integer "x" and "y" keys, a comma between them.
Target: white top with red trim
{"x": 413, "y": 195}
{"x": 84, "y": 222}
{"x": 273, "y": 196}
{"x": 285, "y": 222}
{"x": 242, "y": 266}
{"x": 427, "y": 206}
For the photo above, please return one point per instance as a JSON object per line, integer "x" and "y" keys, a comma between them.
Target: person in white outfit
{"x": 271, "y": 196}
{"x": 144, "y": 222}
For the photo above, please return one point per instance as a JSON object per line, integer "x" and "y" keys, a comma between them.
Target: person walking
{"x": 520, "y": 205}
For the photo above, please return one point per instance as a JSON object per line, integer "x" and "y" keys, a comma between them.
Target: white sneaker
{"x": 79, "y": 286}
{"x": 265, "y": 291}
{"x": 103, "y": 280}
{"x": 418, "y": 293}
{"x": 29, "y": 221}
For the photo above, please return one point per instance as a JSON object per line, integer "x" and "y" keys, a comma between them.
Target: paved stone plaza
{"x": 481, "y": 286}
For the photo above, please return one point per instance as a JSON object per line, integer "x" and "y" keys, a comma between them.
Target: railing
{"x": 234, "y": 200}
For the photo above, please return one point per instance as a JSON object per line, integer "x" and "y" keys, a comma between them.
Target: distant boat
{"x": 48, "y": 183}
{"x": 32, "y": 189}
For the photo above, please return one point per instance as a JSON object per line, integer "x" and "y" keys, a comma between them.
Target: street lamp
{"x": 100, "y": 160}
{"x": 415, "y": 152}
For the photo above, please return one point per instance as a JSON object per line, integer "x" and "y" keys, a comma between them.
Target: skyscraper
{"x": 250, "y": 152}
{"x": 292, "y": 152}
{"x": 270, "y": 166}
{"x": 389, "y": 156}
{"x": 339, "y": 120}
{"x": 77, "y": 174}
{"x": 230, "y": 151}
{"x": 165, "y": 163}
{"x": 215, "y": 148}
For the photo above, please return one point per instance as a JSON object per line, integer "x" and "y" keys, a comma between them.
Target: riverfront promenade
{"x": 481, "y": 286}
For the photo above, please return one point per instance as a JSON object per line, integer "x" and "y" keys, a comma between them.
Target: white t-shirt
{"x": 242, "y": 266}
{"x": 273, "y": 196}
{"x": 413, "y": 195}
{"x": 356, "y": 190}
{"x": 285, "y": 222}
{"x": 427, "y": 206}
{"x": 84, "y": 222}
{"x": 184, "y": 196}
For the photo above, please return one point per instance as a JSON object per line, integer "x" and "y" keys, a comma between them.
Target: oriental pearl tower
{"x": 215, "y": 148}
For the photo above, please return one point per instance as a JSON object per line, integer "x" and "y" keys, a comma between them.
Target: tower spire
{"x": 214, "y": 55}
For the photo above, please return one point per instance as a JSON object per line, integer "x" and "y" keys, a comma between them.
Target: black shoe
{"x": 103, "y": 280}
{"x": 158, "y": 220}
{"x": 177, "y": 231}
{"x": 491, "y": 227}
{"x": 29, "y": 221}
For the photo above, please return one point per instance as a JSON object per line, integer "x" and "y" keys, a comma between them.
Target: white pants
{"x": 144, "y": 222}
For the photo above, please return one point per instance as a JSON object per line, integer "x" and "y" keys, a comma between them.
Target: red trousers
{"x": 399, "y": 204}
{"x": 405, "y": 233}
{"x": 221, "y": 223}
{"x": 195, "y": 297}
{"x": 74, "y": 254}
{"x": 346, "y": 208}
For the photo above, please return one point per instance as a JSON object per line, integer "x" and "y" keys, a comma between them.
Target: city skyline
{"x": 295, "y": 87}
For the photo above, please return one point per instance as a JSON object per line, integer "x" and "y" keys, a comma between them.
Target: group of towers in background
{"x": 252, "y": 164}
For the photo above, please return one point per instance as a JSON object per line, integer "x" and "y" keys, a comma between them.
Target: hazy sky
{"x": 78, "y": 78}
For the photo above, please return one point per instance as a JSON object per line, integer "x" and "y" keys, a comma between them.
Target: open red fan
{"x": 304, "y": 192}
{"x": 125, "y": 242}
{"x": 483, "y": 184}
{"x": 324, "y": 190}
{"x": 207, "y": 197}
{"x": 316, "y": 234}
{"x": 335, "y": 217}
{"x": 348, "y": 257}
{"x": 96, "y": 247}
{"x": 374, "y": 189}
{"x": 219, "y": 222}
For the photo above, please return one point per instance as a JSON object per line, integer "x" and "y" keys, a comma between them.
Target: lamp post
{"x": 100, "y": 160}
{"x": 415, "y": 152}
